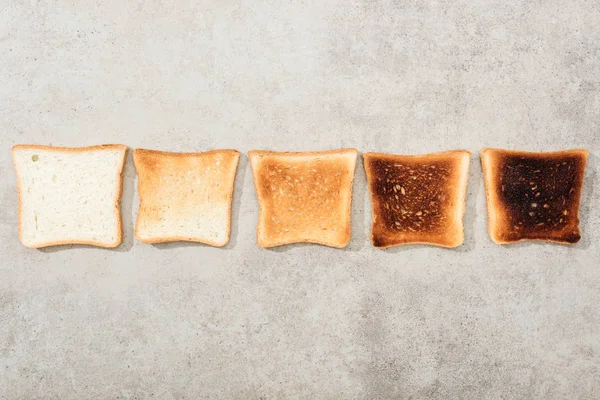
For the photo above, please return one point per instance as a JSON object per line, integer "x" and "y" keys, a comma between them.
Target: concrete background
{"x": 189, "y": 321}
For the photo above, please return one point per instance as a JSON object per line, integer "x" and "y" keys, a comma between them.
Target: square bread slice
{"x": 185, "y": 196}
{"x": 418, "y": 199}
{"x": 304, "y": 197}
{"x": 533, "y": 196}
{"x": 69, "y": 195}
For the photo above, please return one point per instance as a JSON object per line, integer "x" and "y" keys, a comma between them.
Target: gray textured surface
{"x": 189, "y": 321}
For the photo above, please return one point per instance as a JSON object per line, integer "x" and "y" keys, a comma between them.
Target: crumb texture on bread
{"x": 185, "y": 196}
{"x": 534, "y": 196}
{"x": 417, "y": 199}
{"x": 69, "y": 195}
{"x": 304, "y": 197}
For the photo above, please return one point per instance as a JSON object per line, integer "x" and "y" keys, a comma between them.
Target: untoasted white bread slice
{"x": 418, "y": 199}
{"x": 304, "y": 197}
{"x": 533, "y": 195}
{"x": 185, "y": 196}
{"x": 69, "y": 195}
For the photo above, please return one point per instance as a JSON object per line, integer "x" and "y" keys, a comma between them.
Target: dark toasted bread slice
{"x": 533, "y": 196}
{"x": 304, "y": 197}
{"x": 418, "y": 199}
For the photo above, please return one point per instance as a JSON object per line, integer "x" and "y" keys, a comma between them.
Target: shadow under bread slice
{"x": 418, "y": 198}
{"x": 533, "y": 196}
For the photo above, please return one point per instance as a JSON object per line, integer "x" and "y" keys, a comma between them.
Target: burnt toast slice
{"x": 304, "y": 197}
{"x": 533, "y": 195}
{"x": 418, "y": 199}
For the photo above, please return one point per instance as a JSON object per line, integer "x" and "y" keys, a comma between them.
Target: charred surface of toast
{"x": 540, "y": 195}
{"x": 414, "y": 198}
{"x": 413, "y": 195}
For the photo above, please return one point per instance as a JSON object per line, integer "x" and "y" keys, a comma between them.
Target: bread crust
{"x": 417, "y": 199}
{"x": 119, "y": 238}
{"x": 332, "y": 167}
{"x": 141, "y": 165}
{"x": 501, "y": 218}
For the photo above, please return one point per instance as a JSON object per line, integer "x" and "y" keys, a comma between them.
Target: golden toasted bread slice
{"x": 304, "y": 197}
{"x": 185, "y": 196}
{"x": 418, "y": 199}
{"x": 533, "y": 196}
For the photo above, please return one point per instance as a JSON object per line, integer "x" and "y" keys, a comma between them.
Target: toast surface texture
{"x": 304, "y": 197}
{"x": 185, "y": 196}
{"x": 417, "y": 199}
{"x": 533, "y": 196}
{"x": 69, "y": 195}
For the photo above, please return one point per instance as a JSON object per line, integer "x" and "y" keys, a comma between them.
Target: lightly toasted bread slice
{"x": 185, "y": 196}
{"x": 304, "y": 197}
{"x": 418, "y": 199}
{"x": 69, "y": 195}
{"x": 533, "y": 195}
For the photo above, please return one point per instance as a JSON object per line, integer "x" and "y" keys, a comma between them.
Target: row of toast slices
{"x": 72, "y": 195}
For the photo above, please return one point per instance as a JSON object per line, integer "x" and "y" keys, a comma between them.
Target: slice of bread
{"x": 304, "y": 197}
{"x": 418, "y": 199}
{"x": 533, "y": 196}
{"x": 185, "y": 196}
{"x": 69, "y": 195}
